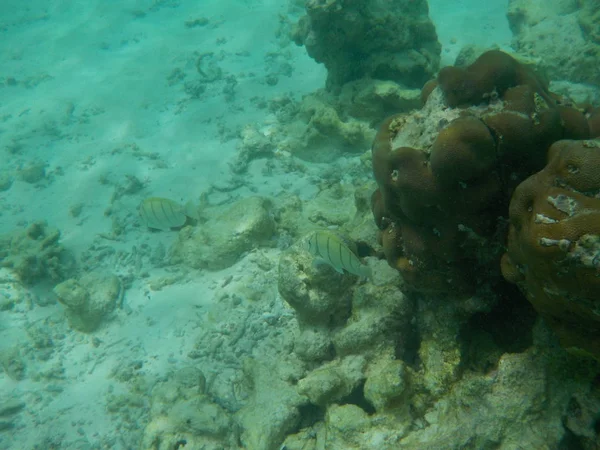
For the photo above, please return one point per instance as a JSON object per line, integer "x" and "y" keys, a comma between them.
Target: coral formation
{"x": 329, "y": 305}
{"x": 385, "y": 40}
{"x": 6, "y": 181}
{"x": 377, "y": 55}
{"x": 35, "y": 254}
{"x": 415, "y": 372}
{"x": 13, "y": 294}
{"x": 520, "y": 404}
{"x": 318, "y": 128}
{"x": 554, "y": 243}
{"x": 273, "y": 394}
{"x": 333, "y": 381}
{"x": 446, "y": 173}
{"x": 589, "y": 19}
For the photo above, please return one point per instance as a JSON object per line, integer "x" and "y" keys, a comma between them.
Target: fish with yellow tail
{"x": 337, "y": 251}
{"x": 163, "y": 214}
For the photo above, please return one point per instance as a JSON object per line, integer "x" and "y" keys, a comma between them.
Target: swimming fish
{"x": 337, "y": 251}
{"x": 164, "y": 214}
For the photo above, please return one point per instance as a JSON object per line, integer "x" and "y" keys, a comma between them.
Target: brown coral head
{"x": 377, "y": 208}
{"x": 574, "y": 123}
{"x": 463, "y": 151}
{"x": 593, "y": 118}
{"x": 489, "y": 77}
{"x": 554, "y": 243}
{"x": 458, "y": 86}
{"x": 428, "y": 89}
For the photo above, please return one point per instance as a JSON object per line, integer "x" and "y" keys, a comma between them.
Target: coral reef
{"x": 380, "y": 39}
{"x": 446, "y": 173}
{"x": 89, "y": 299}
{"x": 35, "y": 254}
{"x": 377, "y": 54}
{"x": 554, "y": 243}
{"x": 548, "y": 31}
{"x": 395, "y": 371}
{"x": 520, "y": 404}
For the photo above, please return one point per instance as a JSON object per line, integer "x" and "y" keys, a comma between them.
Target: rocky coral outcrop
{"x": 377, "y": 54}
{"x": 521, "y": 403}
{"x": 380, "y": 39}
{"x": 423, "y": 372}
{"x": 229, "y": 231}
{"x": 273, "y": 395}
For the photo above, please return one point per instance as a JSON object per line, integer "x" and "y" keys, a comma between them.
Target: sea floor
{"x": 99, "y": 109}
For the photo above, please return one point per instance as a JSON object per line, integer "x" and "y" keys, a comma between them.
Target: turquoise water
{"x": 118, "y": 333}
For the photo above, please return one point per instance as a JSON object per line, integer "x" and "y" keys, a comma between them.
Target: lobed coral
{"x": 554, "y": 243}
{"x": 446, "y": 173}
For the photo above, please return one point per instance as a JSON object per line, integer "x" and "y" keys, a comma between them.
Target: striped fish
{"x": 164, "y": 214}
{"x": 337, "y": 251}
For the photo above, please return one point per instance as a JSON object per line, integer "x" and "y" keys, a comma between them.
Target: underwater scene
{"x": 300, "y": 225}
